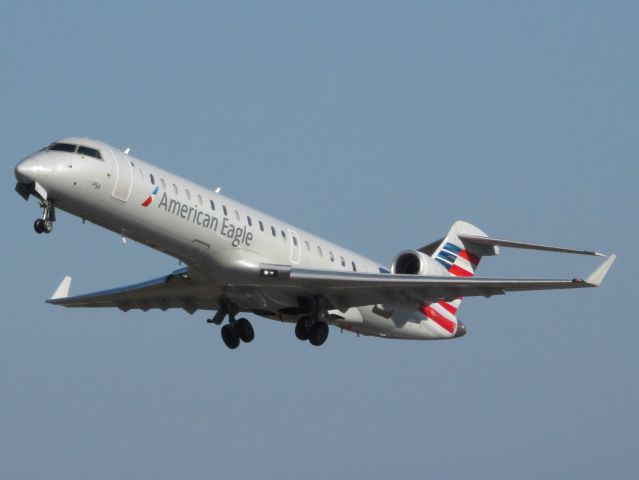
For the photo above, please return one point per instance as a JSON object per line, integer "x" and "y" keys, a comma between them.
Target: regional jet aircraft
{"x": 239, "y": 259}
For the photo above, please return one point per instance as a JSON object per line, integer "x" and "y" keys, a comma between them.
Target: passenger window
{"x": 89, "y": 152}
{"x": 188, "y": 194}
{"x": 283, "y": 235}
{"x": 212, "y": 204}
{"x": 343, "y": 261}
{"x": 249, "y": 221}
{"x": 175, "y": 189}
{"x": 152, "y": 179}
{"x": 226, "y": 213}
{"x": 163, "y": 183}
{"x": 319, "y": 250}
{"x": 308, "y": 245}
{"x": 199, "y": 199}
{"x": 237, "y": 215}
{"x": 141, "y": 173}
{"x": 295, "y": 241}
{"x": 273, "y": 231}
{"x": 261, "y": 225}
{"x": 332, "y": 257}
{"x": 354, "y": 266}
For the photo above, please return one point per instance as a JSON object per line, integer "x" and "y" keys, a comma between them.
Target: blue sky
{"x": 373, "y": 124}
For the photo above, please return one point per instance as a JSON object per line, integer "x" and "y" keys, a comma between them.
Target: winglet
{"x": 63, "y": 289}
{"x": 597, "y": 276}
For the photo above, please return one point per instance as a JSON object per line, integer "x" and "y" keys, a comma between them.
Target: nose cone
{"x": 27, "y": 171}
{"x": 461, "y": 330}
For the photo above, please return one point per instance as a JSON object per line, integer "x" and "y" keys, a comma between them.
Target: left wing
{"x": 177, "y": 290}
{"x": 351, "y": 289}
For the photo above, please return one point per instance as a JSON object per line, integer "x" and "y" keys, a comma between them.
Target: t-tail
{"x": 460, "y": 259}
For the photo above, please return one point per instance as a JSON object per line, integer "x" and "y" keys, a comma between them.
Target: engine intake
{"x": 413, "y": 262}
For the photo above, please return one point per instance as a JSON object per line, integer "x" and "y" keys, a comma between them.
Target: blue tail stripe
{"x": 452, "y": 248}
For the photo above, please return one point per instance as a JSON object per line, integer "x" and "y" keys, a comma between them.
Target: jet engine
{"x": 413, "y": 262}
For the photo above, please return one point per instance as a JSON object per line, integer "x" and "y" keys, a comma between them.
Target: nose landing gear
{"x": 45, "y": 224}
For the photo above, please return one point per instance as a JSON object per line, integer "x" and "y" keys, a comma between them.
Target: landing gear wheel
{"x": 244, "y": 330}
{"x": 318, "y": 333}
{"x": 38, "y": 225}
{"x": 47, "y": 226}
{"x": 230, "y": 337}
{"x": 302, "y": 328}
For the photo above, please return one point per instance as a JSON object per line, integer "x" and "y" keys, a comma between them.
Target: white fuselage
{"x": 208, "y": 231}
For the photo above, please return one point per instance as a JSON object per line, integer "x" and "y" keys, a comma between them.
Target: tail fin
{"x": 459, "y": 259}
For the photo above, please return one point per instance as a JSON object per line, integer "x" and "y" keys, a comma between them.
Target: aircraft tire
{"x": 245, "y": 330}
{"x": 47, "y": 226}
{"x": 318, "y": 333}
{"x": 38, "y": 225}
{"x": 302, "y": 328}
{"x": 230, "y": 337}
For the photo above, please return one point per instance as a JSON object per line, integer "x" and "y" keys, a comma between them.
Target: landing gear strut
{"x": 234, "y": 331}
{"x": 45, "y": 224}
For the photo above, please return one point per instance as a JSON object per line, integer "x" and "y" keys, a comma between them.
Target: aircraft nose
{"x": 26, "y": 170}
{"x": 461, "y": 330}
{"x": 33, "y": 169}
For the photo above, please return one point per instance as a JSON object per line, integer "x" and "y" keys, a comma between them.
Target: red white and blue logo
{"x": 148, "y": 201}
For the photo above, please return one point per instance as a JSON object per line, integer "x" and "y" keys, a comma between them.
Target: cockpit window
{"x": 63, "y": 147}
{"x": 89, "y": 152}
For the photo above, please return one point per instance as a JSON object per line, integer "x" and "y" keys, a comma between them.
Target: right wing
{"x": 354, "y": 289}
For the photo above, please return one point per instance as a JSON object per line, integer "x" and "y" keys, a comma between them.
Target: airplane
{"x": 240, "y": 260}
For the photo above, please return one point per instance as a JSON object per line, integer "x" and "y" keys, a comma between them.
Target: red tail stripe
{"x": 472, "y": 258}
{"x": 438, "y": 318}
{"x": 448, "y": 307}
{"x": 460, "y": 272}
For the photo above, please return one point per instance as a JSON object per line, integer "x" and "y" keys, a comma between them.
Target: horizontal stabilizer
{"x": 497, "y": 242}
{"x": 63, "y": 289}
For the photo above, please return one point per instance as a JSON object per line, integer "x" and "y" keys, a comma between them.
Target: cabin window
{"x": 295, "y": 241}
{"x": 226, "y": 213}
{"x": 89, "y": 152}
{"x": 273, "y": 231}
{"x": 212, "y": 204}
{"x": 199, "y": 199}
{"x": 342, "y": 261}
{"x": 283, "y": 235}
{"x": 354, "y": 266}
{"x": 152, "y": 179}
{"x": 163, "y": 183}
{"x": 188, "y": 194}
{"x": 308, "y": 245}
{"x": 237, "y": 215}
{"x": 175, "y": 189}
{"x": 249, "y": 221}
{"x": 261, "y": 225}
{"x": 141, "y": 173}
{"x": 319, "y": 250}
{"x": 331, "y": 256}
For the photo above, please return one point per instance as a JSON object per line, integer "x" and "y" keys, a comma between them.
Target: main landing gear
{"x": 315, "y": 331}
{"x": 234, "y": 331}
{"x": 45, "y": 224}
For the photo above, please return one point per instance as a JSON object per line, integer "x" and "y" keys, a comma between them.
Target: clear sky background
{"x": 375, "y": 125}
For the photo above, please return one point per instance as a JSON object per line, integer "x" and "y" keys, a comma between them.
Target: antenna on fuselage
{"x": 127, "y": 150}
{"x": 218, "y": 189}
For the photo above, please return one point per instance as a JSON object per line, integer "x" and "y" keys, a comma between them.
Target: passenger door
{"x": 123, "y": 175}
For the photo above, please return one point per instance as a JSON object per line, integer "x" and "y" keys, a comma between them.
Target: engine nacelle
{"x": 412, "y": 262}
